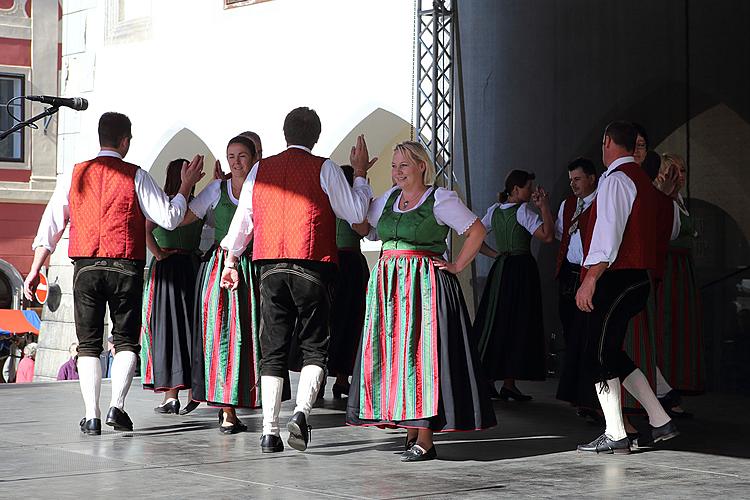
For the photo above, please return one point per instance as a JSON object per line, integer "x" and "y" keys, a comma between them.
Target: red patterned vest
{"x": 105, "y": 216}
{"x": 648, "y": 230}
{"x": 292, "y": 215}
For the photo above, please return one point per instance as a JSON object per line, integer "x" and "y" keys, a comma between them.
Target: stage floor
{"x": 529, "y": 454}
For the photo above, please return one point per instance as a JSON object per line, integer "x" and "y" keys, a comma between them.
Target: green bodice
{"x": 346, "y": 237}
{"x": 184, "y": 237}
{"x": 413, "y": 230}
{"x": 510, "y": 236}
{"x": 687, "y": 233}
{"x": 223, "y": 213}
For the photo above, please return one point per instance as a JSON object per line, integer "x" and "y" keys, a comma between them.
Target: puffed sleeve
{"x": 206, "y": 199}
{"x": 528, "y": 218}
{"x": 487, "y": 219}
{"x": 450, "y": 211}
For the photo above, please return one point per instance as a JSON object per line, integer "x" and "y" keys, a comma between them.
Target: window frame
{"x": 7, "y": 162}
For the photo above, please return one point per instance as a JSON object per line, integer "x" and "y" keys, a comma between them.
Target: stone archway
{"x": 382, "y": 130}
{"x": 183, "y": 144}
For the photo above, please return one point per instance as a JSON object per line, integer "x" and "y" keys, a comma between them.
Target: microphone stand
{"x": 18, "y": 126}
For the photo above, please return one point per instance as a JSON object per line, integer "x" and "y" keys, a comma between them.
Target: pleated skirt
{"x": 347, "y": 312}
{"x": 509, "y": 321}
{"x": 417, "y": 364}
{"x": 226, "y": 347}
{"x": 679, "y": 339}
{"x": 167, "y": 319}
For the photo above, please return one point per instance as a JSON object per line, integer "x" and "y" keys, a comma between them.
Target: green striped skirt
{"x": 226, "y": 347}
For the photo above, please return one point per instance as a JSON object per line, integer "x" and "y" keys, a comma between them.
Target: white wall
{"x": 218, "y": 72}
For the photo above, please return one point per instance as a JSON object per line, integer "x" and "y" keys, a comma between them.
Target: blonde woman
{"x": 418, "y": 366}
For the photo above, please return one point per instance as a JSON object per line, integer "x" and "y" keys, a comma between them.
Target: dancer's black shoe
{"x": 234, "y": 428}
{"x": 604, "y": 444}
{"x": 418, "y": 454}
{"x": 664, "y": 432}
{"x": 170, "y": 407}
{"x": 339, "y": 390}
{"x": 271, "y": 443}
{"x": 299, "y": 431}
{"x": 92, "y": 426}
{"x": 118, "y": 419}
{"x": 506, "y": 394}
{"x": 192, "y": 405}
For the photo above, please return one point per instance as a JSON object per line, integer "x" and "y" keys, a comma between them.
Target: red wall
{"x": 18, "y": 225}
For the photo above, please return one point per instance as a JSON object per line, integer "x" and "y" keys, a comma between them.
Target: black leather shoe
{"x": 234, "y": 428}
{"x": 270, "y": 443}
{"x": 670, "y": 399}
{"x": 92, "y": 426}
{"x": 340, "y": 389}
{"x": 119, "y": 419}
{"x": 418, "y": 454}
{"x": 506, "y": 394}
{"x": 664, "y": 432}
{"x": 192, "y": 405}
{"x": 603, "y": 444}
{"x": 171, "y": 407}
{"x": 409, "y": 443}
{"x": 299, "y": 431}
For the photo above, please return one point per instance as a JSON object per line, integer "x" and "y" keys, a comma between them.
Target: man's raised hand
{"x": 360, "y": 157}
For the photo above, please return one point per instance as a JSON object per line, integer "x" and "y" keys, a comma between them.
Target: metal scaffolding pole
{"x": 434, "y": 86}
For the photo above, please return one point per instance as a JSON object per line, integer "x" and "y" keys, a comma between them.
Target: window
{"x": 11, "y": 148}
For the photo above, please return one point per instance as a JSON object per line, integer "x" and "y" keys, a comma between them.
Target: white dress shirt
{"x": 348, "y": 203}
{"x": 529, "y": 219}
{"x": 615, "y": 197}
{"x": 575, "y": 244}
{"x": 448, "y": 210}
{"x": 155, "y": 205}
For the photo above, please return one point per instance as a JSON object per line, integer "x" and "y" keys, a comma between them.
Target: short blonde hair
{"x": 671, "y": 159}
{"x": 414, "y": 152}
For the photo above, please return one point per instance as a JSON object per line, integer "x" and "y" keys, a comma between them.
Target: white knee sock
{"x": 123, "y": 367}
{"x": 310, "y": 379}
{"x": 637, "y": 385}
{"x": 270, "y": 398}
{"x": 662, "y": 386}
{"x": 90, "y": 380}
{"x": 609, "y": 398}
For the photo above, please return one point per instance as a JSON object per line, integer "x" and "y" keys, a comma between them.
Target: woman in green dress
{"x": 417, "y": 366}
{"x": 509, "y": 320}
{"x": 168, "y": 301}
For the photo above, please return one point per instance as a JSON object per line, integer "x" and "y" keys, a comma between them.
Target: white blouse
{"x": 448, "y": 210}
{"x": 529, "y": 219}
{"x": 209, "y": 198}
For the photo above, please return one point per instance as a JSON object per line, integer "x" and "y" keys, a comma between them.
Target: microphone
{"x": 77, "y": 103}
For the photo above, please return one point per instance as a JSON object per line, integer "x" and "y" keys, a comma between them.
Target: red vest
{"x": 105, "y": 216}
{"x": 292, "y": 215}
{"x": 648, "y": 230}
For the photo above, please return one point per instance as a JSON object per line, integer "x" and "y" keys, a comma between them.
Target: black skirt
{"x": 348, "y": 312}
{"x": 464, "y": 403}
{"x": 509, "y": 320}
{"x": 167, "y": 319}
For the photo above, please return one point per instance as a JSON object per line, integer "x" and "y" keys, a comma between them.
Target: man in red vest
{"x": 107, "y": 202}
{"x": 573, "y": 210}
{"x": 625, "y": 236}
{"x": 288, "y": 206}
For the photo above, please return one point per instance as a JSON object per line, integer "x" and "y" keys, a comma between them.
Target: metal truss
{"x": 434, "y": 84}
